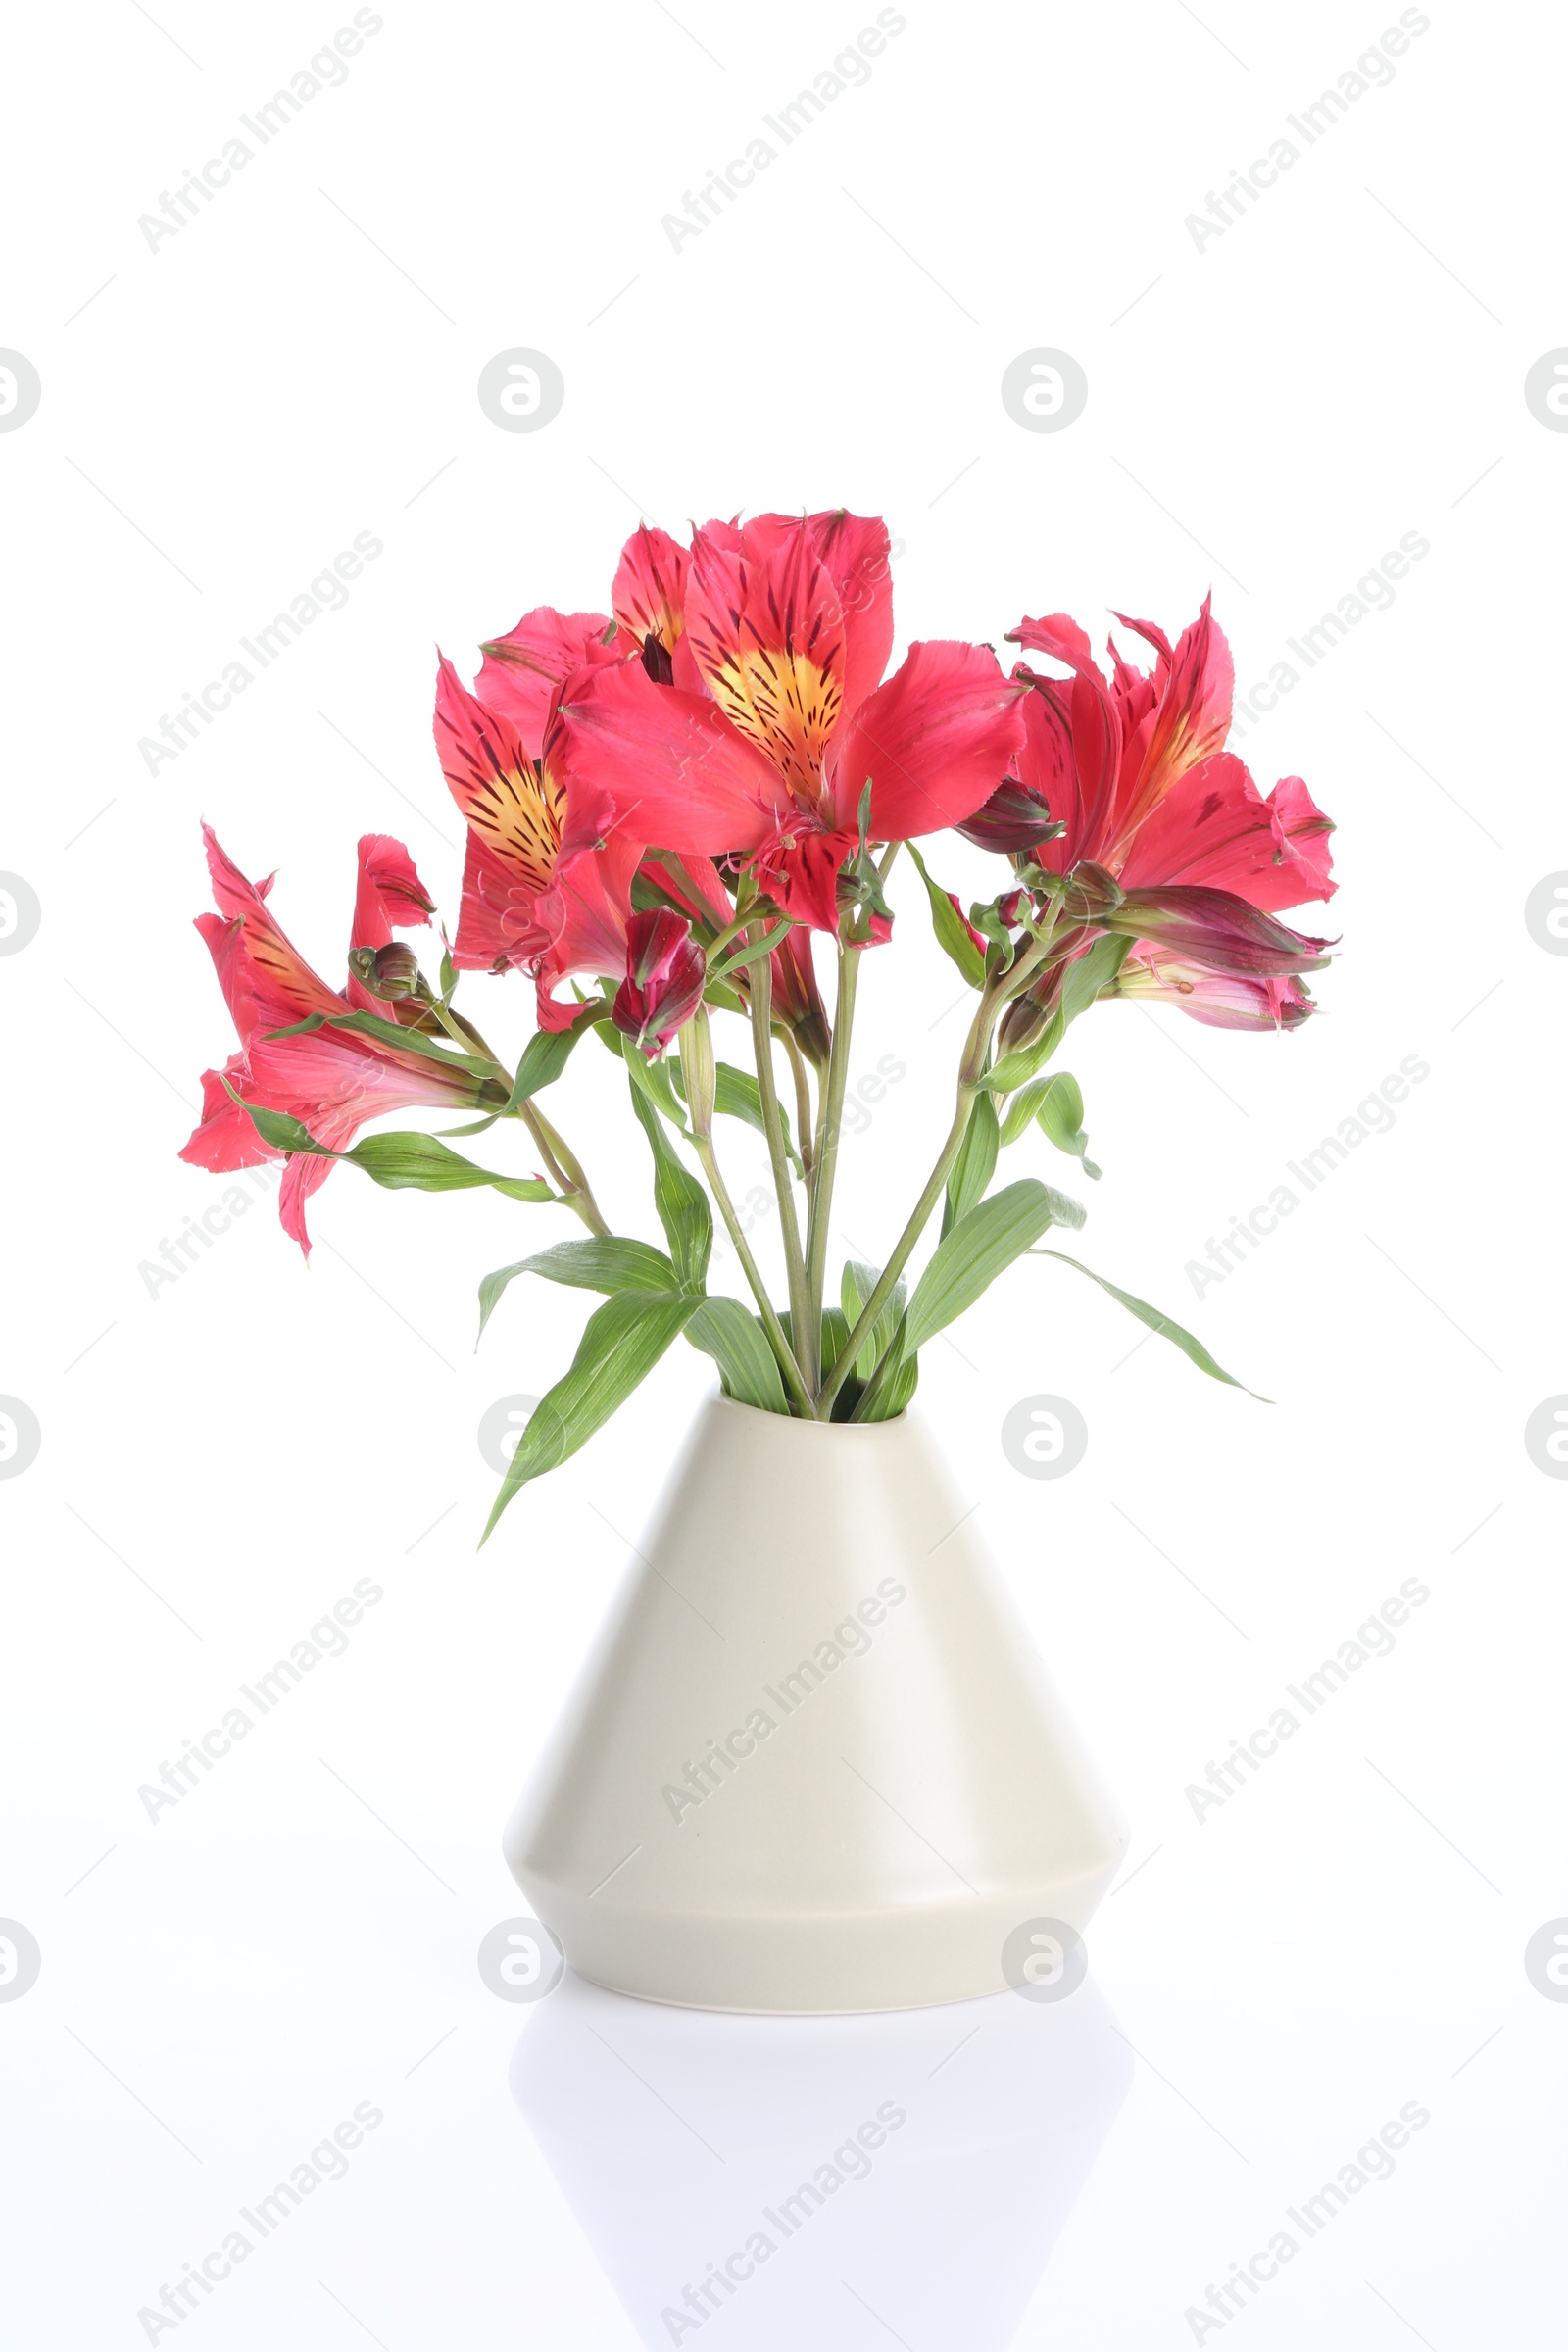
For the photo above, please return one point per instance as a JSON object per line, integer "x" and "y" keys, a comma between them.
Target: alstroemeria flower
{"x": 776, "y": 715}
{"x": 1220, "y": 1000}
{"x": 1132, "y": 768}
{"x": 547, "y": 879}
{"x": 663, "y": 985}
{"x": 1135, "y": 770}
{"x": 331, "y": 1080}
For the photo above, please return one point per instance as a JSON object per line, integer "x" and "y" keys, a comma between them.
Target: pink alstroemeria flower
{"x": 1132, "y": 767}
{"x": 331, "y": 1080}
{"x": 1220, "y": 1000}
{"x": 776, "y": 715}
{"x": 547, "y": 879}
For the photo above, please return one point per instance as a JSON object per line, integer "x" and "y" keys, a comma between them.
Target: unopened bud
{"x": 698, "y": 1072}
{"x": 394, "y": 971}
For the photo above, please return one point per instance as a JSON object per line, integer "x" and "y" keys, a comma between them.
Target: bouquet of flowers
{"x": 667, "y": 806}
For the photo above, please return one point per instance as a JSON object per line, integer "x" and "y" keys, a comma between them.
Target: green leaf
{"x": 624, "y": 1340}
{"x": 1193, "y": 1348}
{"x": 737, "y": 1096}
{"x": 547, "y": 1052}
{"x": 654, "y": 1082}
{"x": 276, "y": 1128}
{"x": 747, "y": 952}
{"x": 856, "y": 1287}
{"x": 892, "y": 1388}
{"x": 606, "y": 1262}
{"x": 953, "y": 935}
{"x": 1060, "y": 1113}
{"x": 679, "y": 1198}
{"x": 968, "y": 1259}
{"x": 976, "y": 1164}
{"x": 422, "y": 1163}
{"x": 747, "y": 1366}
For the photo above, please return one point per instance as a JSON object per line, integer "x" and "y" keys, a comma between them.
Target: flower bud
{"x": 394, "y": 971}
{"x": 698, "y": 1072}
{"x": 1013, "y": 819}
{"x": 665, "y": 970}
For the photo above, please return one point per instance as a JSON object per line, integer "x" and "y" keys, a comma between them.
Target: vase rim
{"x": 843, "y": 1429}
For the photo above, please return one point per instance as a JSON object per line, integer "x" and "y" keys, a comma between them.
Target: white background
{"x": 222, "y": 1460}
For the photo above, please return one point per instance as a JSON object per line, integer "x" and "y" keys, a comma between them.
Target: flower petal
{"x": 1216, "y": 827}
{"x": 853, "y": 548}
{"x": 649, "y": 595}
{"x": 522, "y": 669}
{"x": 490, "y": 772}
{"x": 766, "y": 631}
{"x": 389, "y": 893}
{"x": 264, "y": 967}
{"x": 933, "y": 742}
{"x": 675, "y": 769}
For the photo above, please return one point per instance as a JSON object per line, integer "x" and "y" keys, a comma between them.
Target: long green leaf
{"x": 856, "y": 1287}
{"x": 678, "y": 1196}
{"x": 748, "y": 1368}
{"x": 953, "y": 933}
{"x": 422, "y": 1163}
{"x": 1193, "y": 1348}
{"x": 897, "y": 1377}
{"x": 978, "y": 1249}
{"x": 606, "y": 1262}
{"x": 976, "y": 1164}
{"x": 624, "y": 1340}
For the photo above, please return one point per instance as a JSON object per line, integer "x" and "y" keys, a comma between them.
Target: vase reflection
{"x": 837, "y": 2183}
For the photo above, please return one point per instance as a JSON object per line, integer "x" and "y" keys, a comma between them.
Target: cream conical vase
{"x": 813, "y": 1762}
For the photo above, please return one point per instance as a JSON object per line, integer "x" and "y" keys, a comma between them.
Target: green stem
{"x": 827, "y": 1153}
{"x": 976, "y": 1053}
{"x": 803, "y": 1100}
{"x": 802, "y": 1328}
{"x": 771, "y": 1322}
